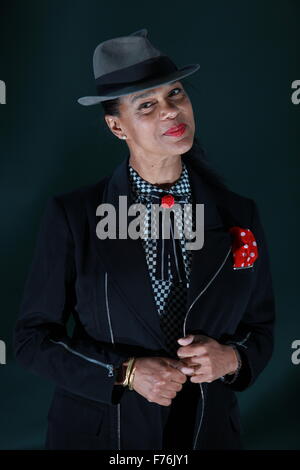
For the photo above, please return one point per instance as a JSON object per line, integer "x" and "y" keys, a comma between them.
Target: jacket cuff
{"x": 230, "y": 378}
{"x": 239, "y": 381}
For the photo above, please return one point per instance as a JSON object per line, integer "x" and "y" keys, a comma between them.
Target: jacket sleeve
{"x": 79, "y": 364}
{"x": 254, "y": 336}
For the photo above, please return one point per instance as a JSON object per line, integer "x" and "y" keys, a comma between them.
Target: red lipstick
{"x": 176, "y": 130}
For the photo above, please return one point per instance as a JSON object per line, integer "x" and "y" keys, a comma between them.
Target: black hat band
{"x": 148, "y": 69}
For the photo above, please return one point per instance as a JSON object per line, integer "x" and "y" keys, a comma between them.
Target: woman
{"x": 166, "y": 330}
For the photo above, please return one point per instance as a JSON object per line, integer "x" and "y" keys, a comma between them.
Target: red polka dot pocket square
{"x": 244, "y": 247}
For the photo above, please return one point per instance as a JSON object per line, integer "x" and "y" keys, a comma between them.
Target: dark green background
{"x": 249, "y": 56}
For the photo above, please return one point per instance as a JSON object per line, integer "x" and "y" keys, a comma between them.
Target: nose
{"x": 169, "y": 109}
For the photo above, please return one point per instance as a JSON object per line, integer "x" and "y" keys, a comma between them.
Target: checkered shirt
{"x": 170, "y": 297}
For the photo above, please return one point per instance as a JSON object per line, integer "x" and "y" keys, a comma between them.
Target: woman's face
{"x": 145, "y": 116}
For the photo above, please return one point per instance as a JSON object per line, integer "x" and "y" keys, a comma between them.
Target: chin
{"x": 184, "y": 144}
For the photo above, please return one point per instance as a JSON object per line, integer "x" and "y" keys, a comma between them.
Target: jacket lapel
{"x": 125, "y": 259}
{"x": 217, "y": 239}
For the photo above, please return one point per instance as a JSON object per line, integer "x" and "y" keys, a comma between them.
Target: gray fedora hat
{"x": 127, "y": 64}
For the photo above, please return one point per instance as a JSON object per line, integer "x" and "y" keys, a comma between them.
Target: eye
{"x": 180, "y": 90}
{"x": 143, "y": 105}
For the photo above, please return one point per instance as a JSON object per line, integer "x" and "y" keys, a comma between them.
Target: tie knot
{"x": 164, "y": 198}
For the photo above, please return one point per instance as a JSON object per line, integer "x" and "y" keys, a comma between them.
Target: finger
{"x": 180, "y": 365}
{"x": 186, "y": 367}
{"x": 201, "y": 338}
{"x": 186, "y": 340}
{"x": 198, "y": 378}
{"x": 168, "y": 394}
{"x": 176, "y": 363}
{"x": 198, "y": 370}
{"x": 195, "y": 360}
{"x": 186, "y": 352}
{"x": 182, "y": 369}
{"x": 187, "y": 370}
{"x": 183, "y": 366}
{"x": 173, "y": 363}
{"x": 191, "y": 350}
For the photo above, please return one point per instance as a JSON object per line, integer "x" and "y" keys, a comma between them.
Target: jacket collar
{"x": 125, "y": 259}
{"x": 119, "y": 184}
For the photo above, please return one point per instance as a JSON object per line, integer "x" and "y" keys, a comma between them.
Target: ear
{"x": 113, "y": 123}
{"x": 109, "y": 122}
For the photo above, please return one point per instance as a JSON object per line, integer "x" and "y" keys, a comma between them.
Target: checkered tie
{"x": 167, "y": 248}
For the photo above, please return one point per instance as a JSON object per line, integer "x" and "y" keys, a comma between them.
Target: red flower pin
{"x": 244, "y": 247}
{"x": 167, "y": 201}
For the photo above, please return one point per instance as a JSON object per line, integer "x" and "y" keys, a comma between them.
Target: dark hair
{"x": 111, "y": 107}
{"x": 197, "y": 156}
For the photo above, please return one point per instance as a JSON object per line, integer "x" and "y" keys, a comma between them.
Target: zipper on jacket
{"x": 184, "y": 333}
{"x": 110, "y": 367}
{"x": 241, "y": 343}
{"x": 107, "y": 310}
{"x": 113, "y": 341}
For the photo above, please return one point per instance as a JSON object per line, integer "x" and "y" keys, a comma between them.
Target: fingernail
{"x": 187, "y": 370}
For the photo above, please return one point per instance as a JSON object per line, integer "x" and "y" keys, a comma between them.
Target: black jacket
{"x": 104, "y": 285}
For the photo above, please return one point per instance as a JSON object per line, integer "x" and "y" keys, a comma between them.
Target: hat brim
{"x": 146, "y": 85}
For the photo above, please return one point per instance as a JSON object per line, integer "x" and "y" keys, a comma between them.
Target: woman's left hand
{"x": 209, "y": 358}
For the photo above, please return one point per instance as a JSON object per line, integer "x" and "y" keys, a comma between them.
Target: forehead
{"x": 132, "y": 98}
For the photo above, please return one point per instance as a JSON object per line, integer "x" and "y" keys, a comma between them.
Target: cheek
{"x": 189, "y": 110}
{"x": 187, "y": 107}
{"x": 146, "y": 128}
{"x": 145, "y": 133}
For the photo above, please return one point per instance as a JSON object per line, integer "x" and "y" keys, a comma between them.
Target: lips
{"x": 176, "y": 130}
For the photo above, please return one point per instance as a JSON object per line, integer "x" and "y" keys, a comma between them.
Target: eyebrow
{"x": 148, "y": 93}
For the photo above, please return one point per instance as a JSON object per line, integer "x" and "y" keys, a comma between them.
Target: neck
{"x": 162, "y": 174}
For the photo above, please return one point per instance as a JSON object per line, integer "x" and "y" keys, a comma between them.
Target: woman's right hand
{"x": 158, "y": 379}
